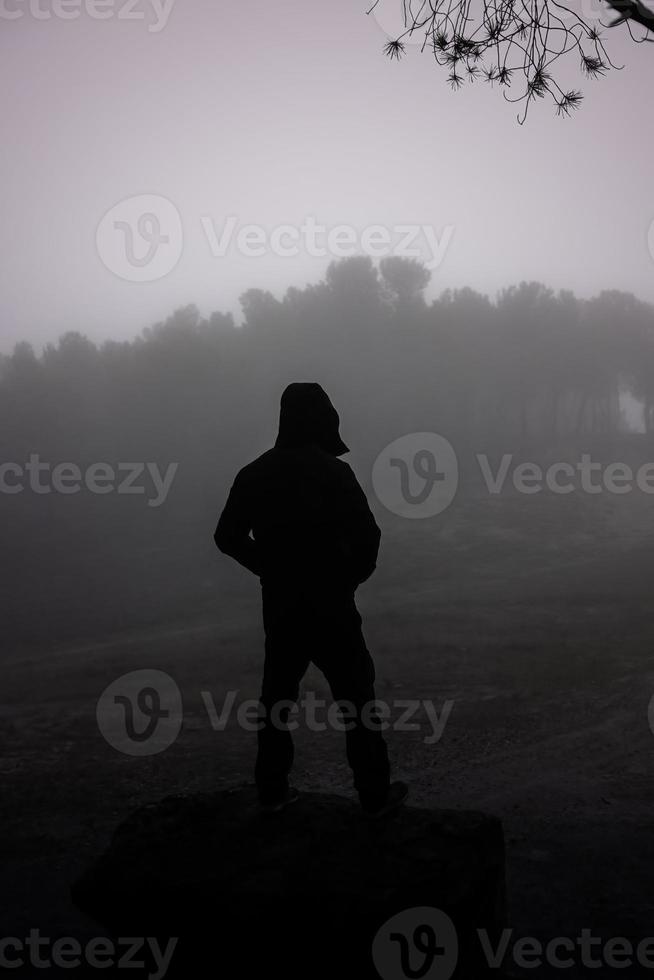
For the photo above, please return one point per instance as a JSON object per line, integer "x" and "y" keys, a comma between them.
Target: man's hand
{"x": 232, "y": 534}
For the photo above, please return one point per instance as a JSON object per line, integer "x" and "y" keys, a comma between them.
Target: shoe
{"x": 291, "y": 796}
{"x": 397, "y": 794}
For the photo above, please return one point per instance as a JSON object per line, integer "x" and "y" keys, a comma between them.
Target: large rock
{"x": 302, "y": 893}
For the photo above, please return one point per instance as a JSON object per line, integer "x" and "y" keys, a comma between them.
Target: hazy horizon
{"x": 99, "y": 339}
{"x": 291, "y": 113}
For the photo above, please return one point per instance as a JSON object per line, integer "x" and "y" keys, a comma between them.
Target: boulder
{"x": 304, "y": 893}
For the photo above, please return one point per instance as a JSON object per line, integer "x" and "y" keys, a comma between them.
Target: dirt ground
{"x": 532, "y": 615}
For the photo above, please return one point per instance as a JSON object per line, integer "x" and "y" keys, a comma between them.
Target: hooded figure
{"x": 297, "y": 518}
{"x": 307, "y": 417}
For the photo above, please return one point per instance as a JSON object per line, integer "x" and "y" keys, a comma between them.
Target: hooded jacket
{"x": 297, "y": 515}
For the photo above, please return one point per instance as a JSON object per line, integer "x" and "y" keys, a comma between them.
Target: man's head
{"x": 307, "y": 417}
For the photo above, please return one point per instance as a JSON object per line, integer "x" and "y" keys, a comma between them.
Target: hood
{"x": 307, "y": 417}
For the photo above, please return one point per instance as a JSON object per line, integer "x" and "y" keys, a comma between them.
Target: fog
{"x": 533, "y": 371}
{"x": 203, "y": 203}
{"x": 286, "y": 112}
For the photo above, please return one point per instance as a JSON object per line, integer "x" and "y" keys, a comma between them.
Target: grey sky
{"x": 273, "y": 112}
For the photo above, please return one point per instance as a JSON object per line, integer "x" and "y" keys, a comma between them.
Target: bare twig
{"x": 499, "y": 40}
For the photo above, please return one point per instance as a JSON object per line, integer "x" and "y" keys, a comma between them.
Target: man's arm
{"x": 361, "y": 530}
{"x": 232, "y": 534}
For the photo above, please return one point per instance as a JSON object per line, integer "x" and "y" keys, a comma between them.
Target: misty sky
{"x": 278, "y": 111}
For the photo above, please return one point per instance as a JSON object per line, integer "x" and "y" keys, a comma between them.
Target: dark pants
{"x": 326, "y": 631}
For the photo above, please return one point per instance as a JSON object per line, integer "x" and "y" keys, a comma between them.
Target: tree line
{"x": 530, "y": 364}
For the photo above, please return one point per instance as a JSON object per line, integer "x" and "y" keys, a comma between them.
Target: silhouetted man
{"x": 298, "y": 519}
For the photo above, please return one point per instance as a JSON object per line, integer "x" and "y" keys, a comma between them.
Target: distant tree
{"x": 260, "y": 309}
{"x": 405, "y": 281}
{"x": 23, "y": 363}
{"x": 353, "y": 279}
{"x": 72, "y": 364}
{"x": 219, "y": 324}
{"x": 183, "y": 323}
